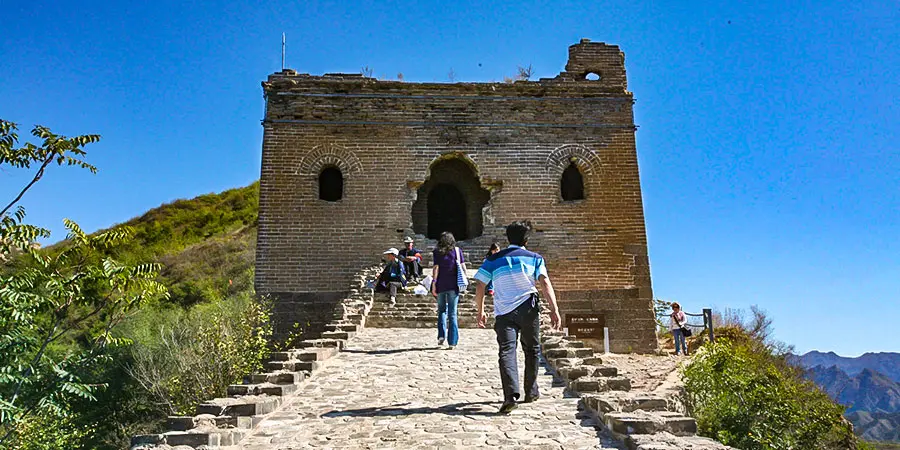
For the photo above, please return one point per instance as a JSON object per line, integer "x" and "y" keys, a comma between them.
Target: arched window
{"x": 571, "y": 186}
{"x": 331, "y": 184}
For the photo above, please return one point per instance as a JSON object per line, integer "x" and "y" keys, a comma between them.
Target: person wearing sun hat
{"x": 393, "y": 276}
{"x": 411, "y": 258}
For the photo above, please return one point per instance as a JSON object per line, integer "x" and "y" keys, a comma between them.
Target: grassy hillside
{"x": 206, "y": 244}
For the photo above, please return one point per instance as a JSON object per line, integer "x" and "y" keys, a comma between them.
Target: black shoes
{"x": 508, "y": 406}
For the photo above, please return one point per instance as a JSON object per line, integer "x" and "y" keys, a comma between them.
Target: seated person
{"x": 393, "y": 276}
{"x": 411, "y": 258}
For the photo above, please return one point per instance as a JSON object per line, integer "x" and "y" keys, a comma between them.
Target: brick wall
{"x": 395, "y": 141}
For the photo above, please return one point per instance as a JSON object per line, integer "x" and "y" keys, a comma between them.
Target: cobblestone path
{"x": 394, "y": 388}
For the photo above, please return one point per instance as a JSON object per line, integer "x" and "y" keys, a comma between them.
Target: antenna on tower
{"x": 282, "y": 52}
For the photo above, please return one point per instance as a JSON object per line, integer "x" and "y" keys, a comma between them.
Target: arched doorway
{"x": 447, "y": 211}
{"x": 451, "y": 199}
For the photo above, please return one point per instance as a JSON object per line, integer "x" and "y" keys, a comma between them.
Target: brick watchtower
{"x": 352, "y": 164}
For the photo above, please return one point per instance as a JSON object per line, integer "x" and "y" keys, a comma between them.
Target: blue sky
{"x": 768, "y": 137}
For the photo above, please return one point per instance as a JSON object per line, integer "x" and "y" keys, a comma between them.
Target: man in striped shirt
{"x": 516, "y": 274}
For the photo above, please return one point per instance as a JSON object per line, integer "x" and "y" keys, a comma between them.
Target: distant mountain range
{"x": 876, "y": 426}
{"x": 867, "y": 391}
{"x": 885, "y": 363}
{"x": 868, "y": 385}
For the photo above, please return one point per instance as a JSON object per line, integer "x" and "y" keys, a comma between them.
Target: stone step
{"x": 419, "y": 306}
{"x": 380, "y": 322}
{"x": 338, "y": 335}
{"x": 624, "y": 402}
{"x": 278, "y": 377}
{"x": 668, "y": 441}
{"x": 679, "y": 424}
{"x": 318, "y": 343}
{"x": 569, "y": 352}
{"x": 208, "y": 437}
{"x": 250, "y": 405}
{"x": 418, "y": 309}
{"x": 562, "y": 343}
{"x": 575, "y": 372}
{"x": 185, "y": 423}
{"x": 305, "y": 354}
{"x": 342, "y": 327}
{"x": 559, "y": 363}
{"x": 602, "y": 370}
{"x": 426, "y": 317}
{"x": 419, "y": 325}
{"x": 262, "y": 388}
{"x": 293, "y": 365}
{"x": 601, "y": 384}
{"x": 643, "y": 422}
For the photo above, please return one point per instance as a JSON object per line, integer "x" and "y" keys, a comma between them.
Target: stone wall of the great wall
{"x": 504, "y": 146}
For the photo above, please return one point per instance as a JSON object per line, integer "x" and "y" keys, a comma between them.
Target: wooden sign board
{"x": 586, "y": 325}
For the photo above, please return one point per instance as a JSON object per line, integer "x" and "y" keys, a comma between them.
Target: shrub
{"x": 746, "y": 396}
{"x": 183, "y": 357}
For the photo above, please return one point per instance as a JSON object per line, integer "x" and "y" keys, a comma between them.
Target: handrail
{"x": 707, "y": 322}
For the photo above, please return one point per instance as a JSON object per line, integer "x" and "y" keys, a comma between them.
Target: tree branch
{"x": 37, "y": 177}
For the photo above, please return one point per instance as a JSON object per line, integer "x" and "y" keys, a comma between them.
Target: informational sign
{"x": 586, "y": 325}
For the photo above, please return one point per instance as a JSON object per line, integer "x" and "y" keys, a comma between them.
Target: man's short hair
{"x": 518, "y": 232}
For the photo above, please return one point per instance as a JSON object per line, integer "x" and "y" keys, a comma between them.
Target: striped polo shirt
{"x": 514, "y": 272}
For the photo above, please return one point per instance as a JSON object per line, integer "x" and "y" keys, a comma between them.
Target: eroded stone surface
{"x": 393, "y": 388}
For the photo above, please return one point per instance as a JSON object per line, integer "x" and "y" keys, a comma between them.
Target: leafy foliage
{"x": 78, "y": 319}
{"x": 744, "y": 394}
{"x": 75, "y": 295}
{"x": 184, "y": 357}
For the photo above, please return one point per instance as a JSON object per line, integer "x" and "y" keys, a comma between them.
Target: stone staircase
{"x": 642, "y": 420}
{"x": 227, "y": 420}
{"x": 414, "y": 311}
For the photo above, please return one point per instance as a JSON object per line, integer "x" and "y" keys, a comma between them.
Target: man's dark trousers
{"x": 523, "y": 323}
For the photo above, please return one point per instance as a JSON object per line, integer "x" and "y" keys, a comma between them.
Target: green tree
{"x": 57, "y": 310}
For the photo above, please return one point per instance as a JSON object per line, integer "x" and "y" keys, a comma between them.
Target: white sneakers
{"x": 393, "y": 300}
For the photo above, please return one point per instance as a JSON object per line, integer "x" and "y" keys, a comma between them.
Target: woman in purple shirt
{"x": 444, "y": 287}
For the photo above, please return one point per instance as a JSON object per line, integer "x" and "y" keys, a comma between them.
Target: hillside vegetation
{"x": 206, "y": 245}
{"x": 161, "y": 354}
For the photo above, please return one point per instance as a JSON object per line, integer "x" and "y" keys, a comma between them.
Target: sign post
{"x": 592, "y": 326}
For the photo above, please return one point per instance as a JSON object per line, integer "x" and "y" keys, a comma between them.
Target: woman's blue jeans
{"x": 679, "y": 339}
{"x": 447, "y": 305}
